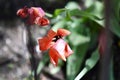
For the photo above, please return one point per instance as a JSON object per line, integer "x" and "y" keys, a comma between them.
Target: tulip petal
{"x": 42, "y": 21}
{"x": 59, "y": 49}
{"x": 32, "y": 16}
{"x": 37, "y": 11}
{"x": 23, "y": 13}
{"x": 51, "y": 34}
{"x": 63, "y": 32}
{"x": 53, "y": 57}
{"x": 68, "y": 51}
{"x": 45, "y": 43}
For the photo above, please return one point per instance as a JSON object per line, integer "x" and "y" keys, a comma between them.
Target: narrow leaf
{"x": 90, "y": 63}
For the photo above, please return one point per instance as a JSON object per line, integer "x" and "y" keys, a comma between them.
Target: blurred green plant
{"x": 85, "y": 26}
{"x": 115, "y": 18}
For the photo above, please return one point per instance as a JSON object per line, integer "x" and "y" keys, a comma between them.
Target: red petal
{"x": 37, "y": 11}
{"x": 45, "y": 43}
{"x": 32, "y": 16}
{"x": 63, "y": 32}
{"x": 53, "y": 57}
{"x": 59, "y": 49}
{"x": 68, "y": 50}
{"x": 42, "y": 21}
{"x": 22, "y": 13}
{"x": 51, "y": 34}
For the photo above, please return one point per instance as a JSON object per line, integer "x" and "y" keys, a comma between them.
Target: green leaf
{"x": 89, "y": 64}
{"x": 98, "y": 9}
{"x": 115, "y": 18}
{"x": 112, "y": 70}
{"x": 84, "y": 14}
{"x": 42, "y": 63}
{"x": 95, "y": 8}
{"x": 59, "y": 11}
{"x": 62, "y": 13}
{"x": 88, "y": 3}
{"x": 72, "y": 5}
{"x": 77, "y": 39}
{"x": 55, "y": 70}
{"x": 115, "y": 27}
{"x": 68, "y": 17}
{"x": 75, "y": 60}
{"x": 48, "y": 15}
{"x": 116, "y": 8}
{"x": 59, "y": 24}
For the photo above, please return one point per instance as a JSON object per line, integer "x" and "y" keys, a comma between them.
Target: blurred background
{"x": 14, "y": 56}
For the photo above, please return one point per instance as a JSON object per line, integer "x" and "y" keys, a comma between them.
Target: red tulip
{"x": 58, "y": 47}
{"x": 23, "y": 13}
{"x": 35, "y": 12}
{"x": 34, "y": 15}
{"x": 41, "y": 21}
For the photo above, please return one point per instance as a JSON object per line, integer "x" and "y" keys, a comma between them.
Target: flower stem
{"x": 80, "y": 75}
{"x": 31, "y": 48}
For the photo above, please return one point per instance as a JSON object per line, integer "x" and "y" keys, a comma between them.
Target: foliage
{"x": 85, "y": 26}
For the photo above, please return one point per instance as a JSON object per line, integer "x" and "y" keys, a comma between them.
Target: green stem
{"x": 81, "y": 74}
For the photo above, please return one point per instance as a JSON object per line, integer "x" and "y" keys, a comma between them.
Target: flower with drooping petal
{"x": 58, "y": 47}
{"x": 23, "y": 13}
{"x": 34, "y": 15}
{"x": 42, "y": 21}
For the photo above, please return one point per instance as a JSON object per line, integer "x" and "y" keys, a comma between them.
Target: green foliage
{"x": 89, "y": 64}
{"x": 115, "y": 18}
{"x": 75, "y": 61}
{"x": 72, "y": 5}
{"x": 78, "y": 39}
{"x": 42, "y": 63}
{"x": 85, "y": 26}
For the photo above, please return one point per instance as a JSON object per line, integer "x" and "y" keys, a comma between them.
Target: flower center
{"x": 56, "y": 38}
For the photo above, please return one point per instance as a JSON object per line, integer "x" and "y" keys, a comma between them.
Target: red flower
{"x": 58, "y": 47}
{"x": 42, "y": 21}
{"x": 23, "y": 13}
{"x": 34, "y": 15}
